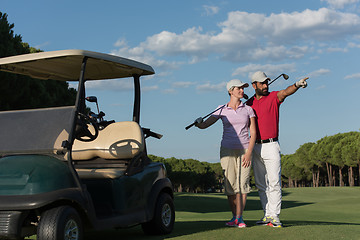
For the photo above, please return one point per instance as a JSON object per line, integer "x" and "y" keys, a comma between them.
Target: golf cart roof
{"x": 65, "y": 65}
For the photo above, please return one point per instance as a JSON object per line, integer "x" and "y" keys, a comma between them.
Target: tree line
{"x": 22, "y": 92}
{"x": 331, "y": 161}
{"x": 191, "y": 175}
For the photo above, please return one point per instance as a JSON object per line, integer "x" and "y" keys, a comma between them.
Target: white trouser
{"x": 267, "y": 171}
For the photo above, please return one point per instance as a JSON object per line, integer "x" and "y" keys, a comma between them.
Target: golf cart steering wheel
{"x": 82, "y": 132}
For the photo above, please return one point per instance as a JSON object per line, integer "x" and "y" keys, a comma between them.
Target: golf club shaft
{"x": 285, "y": 76}
{"x": 273, "y": 80}
{"x": 187, "y": 127}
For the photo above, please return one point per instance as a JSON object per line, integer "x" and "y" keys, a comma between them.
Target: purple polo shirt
{"x": 235, "y": 126}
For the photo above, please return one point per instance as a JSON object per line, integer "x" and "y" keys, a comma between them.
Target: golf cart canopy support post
{"x": 136, "y": 111}
{"x": 80, "y": 107}
{"x": 80, "y": 100}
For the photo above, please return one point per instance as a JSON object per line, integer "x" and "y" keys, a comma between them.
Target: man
{"x": 266, "y": 153}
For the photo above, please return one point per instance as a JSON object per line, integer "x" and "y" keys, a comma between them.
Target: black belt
{"x": 267, "y": 140}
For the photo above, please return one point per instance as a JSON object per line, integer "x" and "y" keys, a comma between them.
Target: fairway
{"x": 307, "y": 213}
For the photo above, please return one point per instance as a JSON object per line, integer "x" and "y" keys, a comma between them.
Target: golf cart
{"x": 64, "y": 171}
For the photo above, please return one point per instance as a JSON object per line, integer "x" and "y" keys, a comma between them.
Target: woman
{"x": 236, "y": 147}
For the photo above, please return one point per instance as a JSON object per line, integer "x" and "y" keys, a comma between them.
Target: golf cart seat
{"x": 118, "y": 141}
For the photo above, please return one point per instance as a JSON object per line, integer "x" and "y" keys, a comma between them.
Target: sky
{"x": 195, "y": 47}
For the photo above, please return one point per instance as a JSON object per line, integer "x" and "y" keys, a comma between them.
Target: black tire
{"x": 61, "y": 223}
{"x": 164, "y": 216}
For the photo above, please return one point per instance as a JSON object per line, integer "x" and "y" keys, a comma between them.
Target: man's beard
{"x": 262, "y": 93}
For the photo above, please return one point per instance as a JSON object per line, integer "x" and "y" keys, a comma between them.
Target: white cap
{"x": 259, "y": 77}
{"x": 235, "y": 83}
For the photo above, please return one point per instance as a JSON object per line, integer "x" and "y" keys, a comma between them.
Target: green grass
{"x": 307, "y": 213}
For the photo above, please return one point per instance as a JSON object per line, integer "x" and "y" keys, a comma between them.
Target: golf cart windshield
{"x": 40, "y": 131}
{"x": 50, "y": 130}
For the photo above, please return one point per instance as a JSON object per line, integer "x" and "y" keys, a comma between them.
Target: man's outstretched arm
{"x": 291, "y": 89}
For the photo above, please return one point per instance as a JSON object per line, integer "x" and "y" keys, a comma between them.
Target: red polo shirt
{"x": 267, "y": 115}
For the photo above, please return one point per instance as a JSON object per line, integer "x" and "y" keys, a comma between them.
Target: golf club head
{"x": 91, "y": 99}
{"x": 285, "y": 76}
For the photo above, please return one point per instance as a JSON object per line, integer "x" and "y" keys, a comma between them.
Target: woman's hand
{"x": 246, "y": 159}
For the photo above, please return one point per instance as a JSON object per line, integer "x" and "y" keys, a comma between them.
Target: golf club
{"x": 285, "y": 76}
{"x": 187, "y": 127}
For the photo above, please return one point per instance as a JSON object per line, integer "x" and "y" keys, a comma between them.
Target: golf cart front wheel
{"x": 61, "y": 223}
{"x": 164, "y": 216}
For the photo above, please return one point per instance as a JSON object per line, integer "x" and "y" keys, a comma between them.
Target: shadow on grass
{"x": 305, "y": 223}
{"x": 201, "y": 203}
{"x": 284, "y": 193}
{"x": 180, "y": 229}
{"x": 188, "y": 228}
{"x": 208, "y": 203}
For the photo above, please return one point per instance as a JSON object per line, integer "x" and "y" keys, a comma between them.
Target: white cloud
{"x": 319, "y": 72}
{"x": 211, "y": 10}
{"x": 113, "y": 84}
{"x": 177, "y": 85}
{"x": 319, "y": 24}
{"x": 208, "y": 87}
{"x": 353, "y": 45}
{"x": 140, "y": 54}
{"x": 120, "y": 85}
{"x": 182, "y": 84}
{"x": 120, "y": 43}
{"x": 271, "y": 70}
{"x": 191, "y": 42}
{"x": 169, "y": 91}
{"x": 339, "y": 4}
{"x": 150, "y": 88}
{"x": 250, "y": 37}
{"x": 279, "y": 52}
{"x": 337, "y": 49}
{"x": 353, "y": 76}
